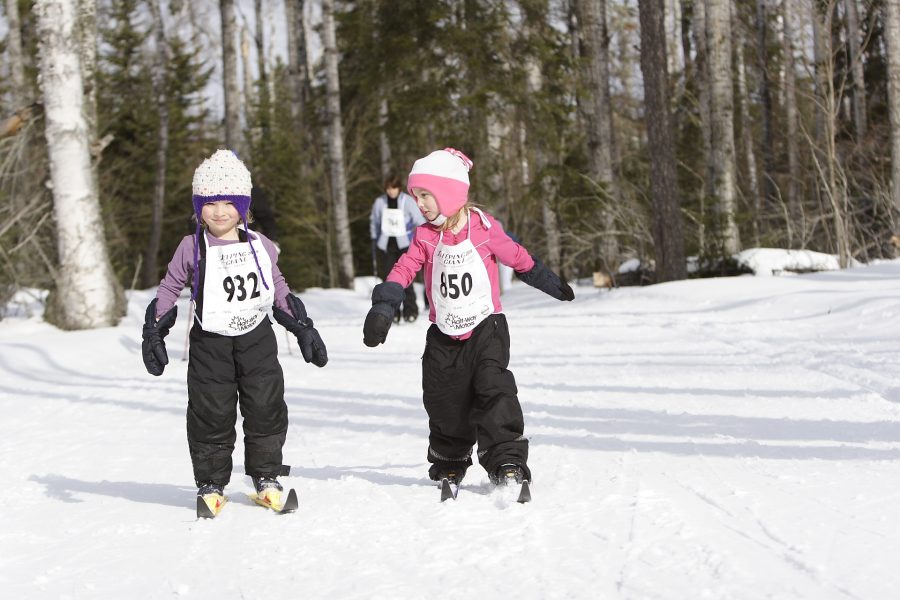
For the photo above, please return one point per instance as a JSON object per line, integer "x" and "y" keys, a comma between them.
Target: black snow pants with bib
{"x": 471, "y": 397}
{"x": 226, "y": 372}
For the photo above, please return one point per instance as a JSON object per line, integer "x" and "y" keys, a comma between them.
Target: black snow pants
{"x": 385, "y": 261}
{"x": 226, "y": 372}
{"x": 471, "y": 396}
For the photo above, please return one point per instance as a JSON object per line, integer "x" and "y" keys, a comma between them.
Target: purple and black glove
{"x": 542, "y": 278}
{"x": 386, "y": 300}
{"x": 311, "y": 345}
{"x": 153, "y": 348}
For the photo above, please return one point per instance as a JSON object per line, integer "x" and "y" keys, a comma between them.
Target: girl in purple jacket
{"x": 235, "y": 280}
{"x": 468, "y": 391}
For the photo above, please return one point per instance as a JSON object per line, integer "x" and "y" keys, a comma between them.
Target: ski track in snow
{"x": 717, "y": 439}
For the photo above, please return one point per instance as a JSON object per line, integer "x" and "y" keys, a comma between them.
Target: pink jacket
{"x": 489, "y": 239}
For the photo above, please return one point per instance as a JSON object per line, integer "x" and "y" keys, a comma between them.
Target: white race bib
{"x": 234, "y": 298}
{"x": 392, "y": 222}
{"x": 460, "y": 287}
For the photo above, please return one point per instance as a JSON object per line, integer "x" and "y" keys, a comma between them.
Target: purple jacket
{"x": 181, "y": 269}
{"x": 492, "y": 244}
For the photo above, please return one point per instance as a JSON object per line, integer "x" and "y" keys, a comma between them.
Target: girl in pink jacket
{"x": 468, "y": 391}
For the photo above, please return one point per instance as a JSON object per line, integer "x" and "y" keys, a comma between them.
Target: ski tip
{"x": 447, "y": 491}
{"x": 203, "y": 511}
{"x": 524, "y": 493}
{"x": 291, "y": 504}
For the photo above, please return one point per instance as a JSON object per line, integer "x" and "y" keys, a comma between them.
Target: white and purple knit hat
{"x": 221, "y": 177}
{"x": 444, "y": 173}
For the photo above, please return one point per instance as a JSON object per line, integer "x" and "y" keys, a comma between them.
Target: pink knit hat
{"x": 444, "y": 173}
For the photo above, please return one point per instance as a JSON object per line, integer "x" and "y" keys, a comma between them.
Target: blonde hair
{"x": 453, "y": 220}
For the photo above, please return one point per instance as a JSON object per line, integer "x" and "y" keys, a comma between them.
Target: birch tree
{"x": 765, "y": 97}
{"x": 16, "y": 57}
{"x": 537, "y": 142}
{"x": 336, "y": 147}
{"x": 854, "y": 44}
{"x": 595, "y": 106}
{"x": 151, "y": 268}
{"x": 87, "y": 295}
{"x": 747, "y": 126}
{"x": 792, "y": 115}
{"x": 668, "y": 236}
{"x": 892, "y": 39}
{"x": 297, "y": 58}
{"x": 724, "y": 188}
{"x": 87, "y": 43}
{"x": 230, "y": 81}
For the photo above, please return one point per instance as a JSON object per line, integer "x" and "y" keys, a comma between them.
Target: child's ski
{"x": 524, "y": 493}
{"x": 508, "y": 492}
{"x": 448, "y": 490}
{"x": 290, "y": 505}
{"x": 207, "y": 510}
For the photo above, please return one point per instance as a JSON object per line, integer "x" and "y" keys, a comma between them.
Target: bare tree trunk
{"x": 821, "y": 53}
{"x": 535, "y": 81}
{"x": 722, "y": 122}
{"x": 266, "y": 95}
{"x": 892, "y": 39}
{"x": 792, "y": 115}
{"x": 259, "y": 38}
{"x": 87, "y": 41}
{"x": 854, "y": 43}
{"x": 230, "y": 77}
{"x": 832, "y": 180}
{"x": 595, "y": 107}
{"x": 150, "y": 276}
{"x": 247, "y": 94}
{"x": 701, "y": 63}
{"x": 336, "y": 147}
{"x": 765, "y": 96}
{"x": 747, "y": 128}
{"x": 672, "y": 24}
{"x": 297, "y": 68}
{"x": 384, "y": 144}
{"x": 87, "y": 295}
{"x": 18, "y": 90}
{"x": 668, "y": 236}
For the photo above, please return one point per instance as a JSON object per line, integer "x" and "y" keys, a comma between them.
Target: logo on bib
{"x": 454, "y": 258}
{"x": 235, "y": 258}
{"x": 239, "y": 323}
{"x": 460, "y": 322}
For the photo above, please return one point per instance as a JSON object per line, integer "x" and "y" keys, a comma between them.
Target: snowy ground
{"x": 726, "y": 439}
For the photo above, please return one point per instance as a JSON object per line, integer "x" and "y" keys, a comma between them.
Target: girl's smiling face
{"x": 427, "y": 203}
{"x": 221, "y": 218}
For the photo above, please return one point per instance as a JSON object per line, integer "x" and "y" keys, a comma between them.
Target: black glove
{"x": 542, "y": 278}
{"x": 153, "y": 347}
{"x": 311, "y": 345}
{"x": 386, "y": 299}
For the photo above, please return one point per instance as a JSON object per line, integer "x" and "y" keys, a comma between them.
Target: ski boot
{"x": 268, "y": 491}
{"x": 448, "y": 477}
{"x": 513, "y": 477}
{"x": 508, "y": 474}
{"x": 210, "y": 499}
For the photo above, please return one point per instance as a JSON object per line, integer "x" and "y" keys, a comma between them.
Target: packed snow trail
{"x": 728, "y": 438}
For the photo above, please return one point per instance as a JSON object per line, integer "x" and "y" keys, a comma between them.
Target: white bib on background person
{"x": 460, "y": 287}
{"x": 234, "y": 297}
{"x": 392, "y": 222}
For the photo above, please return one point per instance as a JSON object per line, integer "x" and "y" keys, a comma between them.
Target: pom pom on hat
{"x": 444, "y": 173}
{"x": 222, "y": 176}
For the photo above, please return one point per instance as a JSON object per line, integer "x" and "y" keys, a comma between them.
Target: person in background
{"x": 392, "y": 221}
{"x": 234, "y": 279}
{"x": 469, "y": 393}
